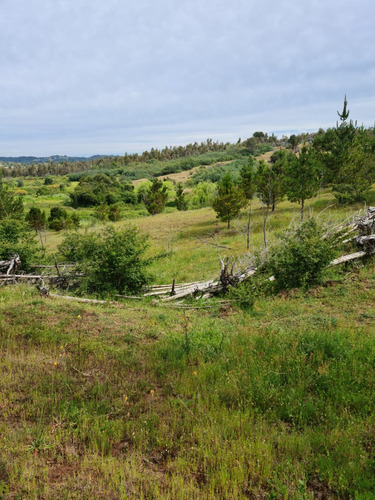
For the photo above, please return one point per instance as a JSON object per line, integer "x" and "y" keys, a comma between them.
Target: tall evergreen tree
{"x": 303, "y": 177}
{"x": 229, "y": 199}
{"x": 156, "y": 197}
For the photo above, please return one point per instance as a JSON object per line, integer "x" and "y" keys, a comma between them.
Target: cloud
{"x": 86, "y": 77}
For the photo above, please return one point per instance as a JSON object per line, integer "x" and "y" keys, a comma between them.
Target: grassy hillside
{"x": 139, "y": 400}
{"x": 135, "y": 401}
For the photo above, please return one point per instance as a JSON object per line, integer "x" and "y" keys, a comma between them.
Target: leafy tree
{"x": 268, "y": 179}
{"x": 10, "y": 206}
{"x": 181, "y": 202}
{"x": 229, "y": 199}
{"x": 155, "y": 197}
{"x": 114, "y": 212}
{"x": 15, "y": 234}
{"x": 60, "y": 219}
{"x": 112, "y": 260}
{"x": 36, "y": 218}
{"x": 16, "y": 237}
{"x": 302, "y": 177}
{"x": 99, "y": 189}
{"x": 293, "y": 141}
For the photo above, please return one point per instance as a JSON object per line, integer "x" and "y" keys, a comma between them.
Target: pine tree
{"x": 156, "y": 197}
{"x": 303, "y": 177}
{"x": 229, "y": 199}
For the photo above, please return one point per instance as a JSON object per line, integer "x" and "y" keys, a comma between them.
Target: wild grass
{"x": 137, "y": 401}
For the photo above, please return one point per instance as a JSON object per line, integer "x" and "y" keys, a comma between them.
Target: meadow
{"x": 137, "y": 399}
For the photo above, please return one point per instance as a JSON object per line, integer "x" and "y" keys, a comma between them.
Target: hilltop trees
{"x": 347, "y": 156}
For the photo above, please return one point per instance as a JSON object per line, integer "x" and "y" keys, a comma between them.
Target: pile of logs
{"x": 57, "y": 275}
{"x": 10, "y": 265}
{"x": 365, "y": 225}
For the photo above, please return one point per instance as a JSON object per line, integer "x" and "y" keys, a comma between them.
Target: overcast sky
{"x": 83, "y": 77}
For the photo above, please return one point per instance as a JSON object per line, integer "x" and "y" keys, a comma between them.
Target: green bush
{"x": 112, "y": 260}
{"x": 244, "y": 295}
{"x": 16, "y": 236}
{"x": 301, "y": 257}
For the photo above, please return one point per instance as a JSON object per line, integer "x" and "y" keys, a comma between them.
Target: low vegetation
{"x": 267, "y": 394}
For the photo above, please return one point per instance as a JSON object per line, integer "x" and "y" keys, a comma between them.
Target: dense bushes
{"x": 112, "y": 260}
{"x": 16, "y": 235}
{"x": 101, "y": 189}
{"x": 301, "y": 257}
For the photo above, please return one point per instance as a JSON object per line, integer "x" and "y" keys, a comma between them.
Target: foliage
{"x": 59, "y": 219}
{"x": 303, "y": 177}
{"x": 245, "y": 294}
{"x": 268, "y": 183}
{"x": 16, "y": 237}
{"x": 10, "y": 206}
{"x": 181, "y": 202}
{"x": 229, "y": 200}
{"x": 201, "y": 195}
{"x": 247, "y": 181}
{"x": 99, "y": 189}
{"x": 112, "y": 260}
{"x": 301, "y": 257}
{"x": 48, "y": 181}
{"x": 347, "y": 155}
{"x": 155, "y": 197}
{"x": 36, "y": 218}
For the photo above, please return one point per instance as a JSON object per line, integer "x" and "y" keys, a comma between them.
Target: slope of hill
{"x": 137, "y": 401}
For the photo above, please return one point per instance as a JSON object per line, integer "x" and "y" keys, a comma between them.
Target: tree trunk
{"x": 248, "y": 229}
{"x": 302, "y": 208}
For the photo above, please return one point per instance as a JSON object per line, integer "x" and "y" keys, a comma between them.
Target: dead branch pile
{"x": 365, "y": 225}
{"x": 57, "y": 275}
{"x": 66, "y": 275}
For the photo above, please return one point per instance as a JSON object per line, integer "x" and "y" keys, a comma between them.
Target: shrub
{"x": 112, "y": 260}
{"x": 301, "y": 258}
{"x": 48, "y": 181}
{"x": 16, "y": 237}
{"x": 244, "y": 295}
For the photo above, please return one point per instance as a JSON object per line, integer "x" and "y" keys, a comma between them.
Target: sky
{"x": 85, "y": 77}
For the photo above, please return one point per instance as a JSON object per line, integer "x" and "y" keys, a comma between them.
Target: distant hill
{"x": 48, "y": 159}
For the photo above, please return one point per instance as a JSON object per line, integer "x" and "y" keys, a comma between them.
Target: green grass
{"x": 136, "y": 401}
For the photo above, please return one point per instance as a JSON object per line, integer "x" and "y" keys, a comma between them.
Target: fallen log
{"x": 11, "y": 264}
{"x": 347, "y": 258}
{"x": 78, "y": 299}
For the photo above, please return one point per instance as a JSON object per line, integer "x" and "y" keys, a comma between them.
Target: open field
{"x": 136, "y": 401}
